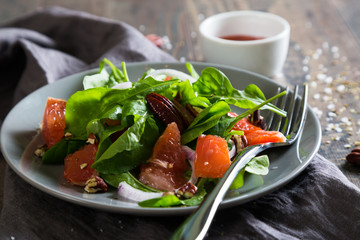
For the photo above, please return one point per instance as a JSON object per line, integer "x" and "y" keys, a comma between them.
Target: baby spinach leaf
{"x": 113, "y": 113}
{"x": 101, "y": 79}
{"x": 165, "y": 201}
{"x": 57, "y": 153}
{"x": 220, "y": 128}
{"x": 213, "y": 82}
{"x": 187, "y": 95}
{"x": 115, "y": 179}
{"x": 131, "y": 112}
{"x": 205, "y": 120}
{"x": 192, "y": 70}
{"x": 238, "y": 181}
{"x": 84, "y": 106}
{"x": 132, "y": 148}
{"x": 105, "y": 140}
{"x": 97, "y": 127}
{"x": 258, "y": 165}
{"x": 172, "y": 200}
{"x": 116, "y": 74}
{"x": 150, "y": 85}
{"x": 214, "y": 85}
{"x": 250, "y": 111}
{"x": 94, "y": 103}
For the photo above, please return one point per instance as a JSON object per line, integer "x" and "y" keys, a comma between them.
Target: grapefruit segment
{"x": 262, "y": 136}
{"x": 165, "y": 170}
{"x": 77, "y": 166}
{"x": 53, "y": 124}
{"x": 244, "y": 125}
{"x": 211, "y": 157}
{"x": 256, "y": 135}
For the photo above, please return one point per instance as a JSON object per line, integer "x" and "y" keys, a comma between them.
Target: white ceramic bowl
{"x": 265, "y": 56}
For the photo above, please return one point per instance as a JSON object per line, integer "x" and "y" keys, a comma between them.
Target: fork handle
{"x": 197, "y": 224}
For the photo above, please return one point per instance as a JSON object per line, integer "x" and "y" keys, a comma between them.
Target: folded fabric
{"x": 50, "y": 44}
{"x": 41, "y": 48}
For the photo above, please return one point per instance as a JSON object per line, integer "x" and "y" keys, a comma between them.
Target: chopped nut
{"x": 240, "y": 142}
{"x": 82, "y": 166}
{"x": 168, "y": 193}
{"x": 40, "y": 151}
{"x": 188, "y": 190}
{"x": 256, "y": 119}
{"x": 68, "y": 135}
{"x": 91, "y": 140}
{"x": 95, "y": 184}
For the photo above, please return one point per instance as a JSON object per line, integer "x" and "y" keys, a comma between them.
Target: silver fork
{"x": 197, "y": 224}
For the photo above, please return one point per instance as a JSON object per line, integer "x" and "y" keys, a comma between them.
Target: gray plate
{"x": 22, "y": 124}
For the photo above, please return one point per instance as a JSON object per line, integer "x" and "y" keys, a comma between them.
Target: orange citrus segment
{"x": 262, "y": 136}
{"x": 211, "y": 157}
{"x": 166, "y": 167}
{"x": 53, "y": 124}
{"x": 77, "y": 166}
{"x": 256, "y": 135}
{"x": 244, "y": 125}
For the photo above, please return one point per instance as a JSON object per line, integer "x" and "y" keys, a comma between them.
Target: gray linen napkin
{"x": 39, "y": 49}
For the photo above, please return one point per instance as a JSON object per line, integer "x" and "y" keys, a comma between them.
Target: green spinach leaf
{"x": 214, "y": 85}
{"x": 115, "y": 179}
{"x": 132, "y": 148}
{"x": 57, "y": 153}
{"x": 258, "y": 165}
{"x": 205, "y": 120}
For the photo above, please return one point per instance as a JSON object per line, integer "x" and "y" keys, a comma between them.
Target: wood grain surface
{"x": 324, "y": 50}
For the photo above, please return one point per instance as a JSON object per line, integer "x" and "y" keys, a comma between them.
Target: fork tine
{"x": 291, "y": 112}
{"x": 299, "y": 124}
{"x": 271, "y": 116}
{"x": 276, "y": 120}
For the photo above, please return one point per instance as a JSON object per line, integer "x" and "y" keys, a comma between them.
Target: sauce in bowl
{"x": 241, "y": 37}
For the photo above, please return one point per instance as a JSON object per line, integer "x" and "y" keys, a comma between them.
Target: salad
{"x": 163, "y": 140}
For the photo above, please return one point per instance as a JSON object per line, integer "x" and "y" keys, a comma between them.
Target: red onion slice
{"x": 160, "y": 74}
{"x": 190, "y": 156}
{"x": 123, "y": 85}
{"x": 126, "y": 191}
{"x": 232, "y": 151}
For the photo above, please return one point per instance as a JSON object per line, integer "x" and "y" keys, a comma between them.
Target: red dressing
{"x": 241, "y": 37}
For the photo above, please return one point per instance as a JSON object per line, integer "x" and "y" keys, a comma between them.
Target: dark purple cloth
{"x": 318, "y": 204}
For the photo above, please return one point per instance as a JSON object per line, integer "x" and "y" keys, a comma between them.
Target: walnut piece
{"x": 95, "y": 184}
{"x": 240, "y": 142}
{"x": 256, "y": 119}
{"x": 68, "y": 135}
{"x": 40, "y": 151}
{"x": 188, "y": 190}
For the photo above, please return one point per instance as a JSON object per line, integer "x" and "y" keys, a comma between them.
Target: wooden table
{"x": 324, "y": 50}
